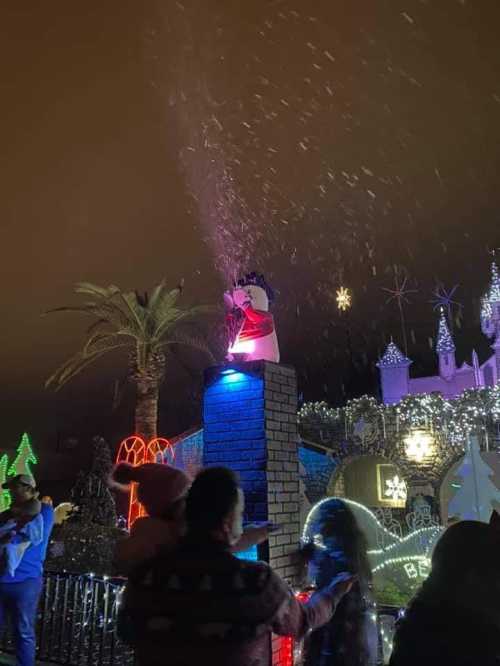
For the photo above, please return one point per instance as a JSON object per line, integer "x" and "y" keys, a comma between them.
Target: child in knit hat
{"x": 161, "y": 489}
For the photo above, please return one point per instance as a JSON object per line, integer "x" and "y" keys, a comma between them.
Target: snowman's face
{"x": 251, "y": 296}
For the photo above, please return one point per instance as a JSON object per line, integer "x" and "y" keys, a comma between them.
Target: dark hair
{"x": 213, "y": 495}
{"x": 344, "y": 549}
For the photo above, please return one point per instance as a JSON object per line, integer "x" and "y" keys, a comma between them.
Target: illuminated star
{"x": 443, "y": 298}
{"x": 344, "y": 299}
{"x": 399, "y": 293}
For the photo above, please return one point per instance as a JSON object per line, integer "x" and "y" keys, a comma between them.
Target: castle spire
{"x": 445, "y": 344}
{"x": 494, "y": 292}
{"x": 393, "y": 357}
{"x": 394, "y": 369}
{"x": 490, "y": 306}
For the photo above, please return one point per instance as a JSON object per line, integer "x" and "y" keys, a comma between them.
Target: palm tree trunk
{"x": 146, "y": 409}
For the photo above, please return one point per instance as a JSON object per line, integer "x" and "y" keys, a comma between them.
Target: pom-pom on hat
{"x": 159, "y": 486}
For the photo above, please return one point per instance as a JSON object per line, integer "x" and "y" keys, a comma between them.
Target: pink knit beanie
{"x": 159, "y": 486}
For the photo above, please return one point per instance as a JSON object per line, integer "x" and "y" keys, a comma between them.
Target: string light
{"x": 352, "y": 503}
{"x": 401, "y": 560}
{"x": 24, "y": 458}
{"x": 454, "y": 419}
{"x": 135, "y": 451}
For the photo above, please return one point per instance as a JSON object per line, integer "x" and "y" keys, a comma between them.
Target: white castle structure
{"x": 451, "y": 381}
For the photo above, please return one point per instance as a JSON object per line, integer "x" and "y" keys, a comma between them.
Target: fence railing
{"x": 77, "y": 620}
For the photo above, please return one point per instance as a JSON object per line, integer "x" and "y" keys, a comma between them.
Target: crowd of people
{"x": 189, "y": 599}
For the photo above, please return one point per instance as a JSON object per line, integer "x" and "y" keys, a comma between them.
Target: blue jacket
{"x": 31, "y": 565}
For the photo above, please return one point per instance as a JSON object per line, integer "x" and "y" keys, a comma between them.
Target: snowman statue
{"x": 252, "y": 336}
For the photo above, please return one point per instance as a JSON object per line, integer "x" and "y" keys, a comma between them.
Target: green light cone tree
{"x": 4, "y": 494}
{"x": 24, "y": 458}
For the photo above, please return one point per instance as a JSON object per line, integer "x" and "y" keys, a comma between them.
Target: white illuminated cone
{"x": 477, "y": 496}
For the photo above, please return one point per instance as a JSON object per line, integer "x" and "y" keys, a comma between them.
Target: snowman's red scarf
{"x": 257, "y": 324}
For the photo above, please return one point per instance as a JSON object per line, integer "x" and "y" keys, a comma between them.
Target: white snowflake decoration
{"x": 396, "y": 488}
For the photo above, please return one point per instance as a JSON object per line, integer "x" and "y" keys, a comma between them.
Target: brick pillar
{"x": 250, "y": 425}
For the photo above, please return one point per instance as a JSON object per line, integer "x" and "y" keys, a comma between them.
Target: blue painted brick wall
{"x": 234, "y": 434}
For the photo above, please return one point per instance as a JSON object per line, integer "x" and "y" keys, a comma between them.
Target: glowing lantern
{"x": 419, "y": 446}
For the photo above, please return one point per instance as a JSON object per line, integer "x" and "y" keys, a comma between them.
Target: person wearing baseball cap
{"x": 20, "y": 592}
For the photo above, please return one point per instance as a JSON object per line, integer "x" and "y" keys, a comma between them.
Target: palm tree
{"x": 146, "y": 326}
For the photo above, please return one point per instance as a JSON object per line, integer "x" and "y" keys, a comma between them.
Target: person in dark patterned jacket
{"x": 200, "y": 604}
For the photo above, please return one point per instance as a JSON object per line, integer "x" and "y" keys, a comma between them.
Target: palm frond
{"x": 123, "y": 321}
{"x": 100, "y": 341}
{"x": 157, "y": 293}
{"x": 192, "y": 341}
{"x": 174, "y": 318}
{"x": 136, "y": 311}
{"x": 85, "y": 309}
{"x": 164, "y": 301}
{"x": 74, "y": 365}
{"x": 96, "y": 326}
{"x": 96, "y": 290}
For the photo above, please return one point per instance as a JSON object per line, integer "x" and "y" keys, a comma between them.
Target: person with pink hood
{"x": 162, "y": 489}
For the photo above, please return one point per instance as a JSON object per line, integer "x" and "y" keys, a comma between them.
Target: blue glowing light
{"x": 250, "y": 554}
{"x": 231, "y": 375}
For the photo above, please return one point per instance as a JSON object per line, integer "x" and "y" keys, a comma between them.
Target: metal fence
{"x": 77, "y": 620}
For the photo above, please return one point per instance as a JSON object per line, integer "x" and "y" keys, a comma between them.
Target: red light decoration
{"x": 134, "y": 451}
{"x": 157, "y": 449}
{"x": 287, "y": 645}
{"x": 286, "y": 651}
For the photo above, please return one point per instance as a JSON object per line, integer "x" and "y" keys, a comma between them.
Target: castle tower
{"x": 490, "y": 314}
{"x": 394, "y": 374}
{"x": 445, "y": 348}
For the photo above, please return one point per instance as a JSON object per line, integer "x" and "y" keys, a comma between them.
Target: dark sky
{"x": 319, "y": 145}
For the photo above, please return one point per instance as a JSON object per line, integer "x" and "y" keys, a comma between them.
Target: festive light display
{"x": 24, "y": 458}
{"x": 419, "y": 446}
{"x": 445, "y": 344}
{"x": 395, "y": 488}
{"x": 4, "y": 494}
{"x": 419, "y": 565}
{"x": 344, "y": 299}
{"x": 393, "y": 356}
{"x": 135, "y": 451}
{"x": 289, "y": 649}
{"x": 443, "y": 299}
{"x": 399, "y": 294}
{"x": 250, "y": 325}
{"x": 477, "y": 494}
{"x": 472, "y": 411}
{"x": 490, "y": 316}
{"x": 494, "y": 292}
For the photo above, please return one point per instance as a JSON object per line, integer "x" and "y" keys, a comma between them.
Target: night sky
{"x": 320, "y": 142}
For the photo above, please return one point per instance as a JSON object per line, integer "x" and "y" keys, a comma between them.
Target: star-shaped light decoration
{"x": 443, "y": 298}
{"x": 344, "y": 299}
{"x": 400, "y": 292}
{"x": 400, "y": 295}
{"x": 396, "y": 488}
